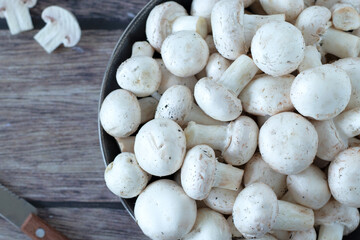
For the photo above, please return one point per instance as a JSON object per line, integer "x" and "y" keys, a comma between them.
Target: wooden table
{"x": 49, "y": 151}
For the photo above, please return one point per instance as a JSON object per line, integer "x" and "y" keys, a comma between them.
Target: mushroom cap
{"x": 335, "y": 212}
{"x": 255, "y": 210}
{"x": 159, "y": 22}
{"x": 243, "y": 141}
{"x": 140, "y": 75}
{"x": 313, "y": 22}
{"x": 278, "y": 54}
{"x": 344, "y": 179}
{"x": 164, "y": 211}
{"x": 221, "y": 200}
{"x": 322, "y": 92}
{"x": 352, "y": 67}
{"x": 175, "y": 104}
{"x": 227, "y": 21}
{"x": 209, "y": 225}
{"x": 331, "y": 141}
{"x": 124, "y": 177}
{"x": 302, "y": 187}
{"x": 120, "y": 113}
{"x": 168, "y": 79}
{"x": 288, "y": 143}
{"x": 65, "y": 21}
{"x": 301, "y": 235}
{"x": 160, "y": 147}
{"x": 216, "y": 66}
{"x": 198, "y": 172}
{"x": 267, "y": 95}
{"x": 234, "y": 232}
{"x": 257, "y": 170}
{"x": 291, "y": 8}
{"x": 217, "y": 101}
{"x": 30, "y": 3}
{"x": 203, "y": 8}
{"x": 185, "y": 53}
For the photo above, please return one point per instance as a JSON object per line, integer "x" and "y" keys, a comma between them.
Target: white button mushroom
{"x": 216, "y": 66}
{"x": 61, "y": 27}
{"x": 237, "y": 141}
{"x": 159, "y": 22}
{"x": 345, "y": 17}
{"x": 148, "y": 108}
{"x": 163, "y": 211}
{"x": 209, "y": 225}
{"x": 219, "y": 99}
{"x": 120, "y": 113}
{"x": 140, "y": 75}
{"x": 291, "y": 8}
{"x": 278, "y": 54}
{"x": 309, "y": 188}
{"x": 352, "y": 67}
{"x": 17, "y": 14}
{"x": 203, "y": 8}
{"x": 168, "y": 79}
{"x": 126, "y": 144}
{"x": 160, "y": 147}
{"x": 256, "y": 170}
{"x": 330, "y": 3}
{"x": 234, "y": 232}
{"x": 336, "y": 220}
{"x": 201, "y": 172}
{"x": 227, "y": 21}
{"x": 142, "y": 48}
{"x": 288, "y": 143}
{"x": 302, "y": 235}
{"x": 267, "y": 95}
{"x": 185, "y": 53}
{"x": 177, "y": 104}
{"x": 221, "y": 200}
{"x": 257, "y": 211}
{"x": 124, "y": 177}
{"x": 322, "y": 92}
{"x": 312, "y": 58}
{"x": 210, "y": 42}
{"x": 334, "y": 133}
{"x": 343, "y": 175}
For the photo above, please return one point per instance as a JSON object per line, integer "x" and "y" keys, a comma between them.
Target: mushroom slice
{"x": 17, "y": 15}
{"x": 61, "y": 27}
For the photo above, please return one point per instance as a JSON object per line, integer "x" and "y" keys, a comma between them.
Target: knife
{"x": 24, "y": 216}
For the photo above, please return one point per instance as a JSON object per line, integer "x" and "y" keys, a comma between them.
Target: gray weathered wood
{"x": 82, "y": 223}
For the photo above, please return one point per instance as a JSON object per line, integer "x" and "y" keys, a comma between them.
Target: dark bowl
{"x": 135, "y": 32}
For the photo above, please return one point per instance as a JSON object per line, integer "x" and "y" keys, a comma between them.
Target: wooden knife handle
{"x": 38, "y": 229}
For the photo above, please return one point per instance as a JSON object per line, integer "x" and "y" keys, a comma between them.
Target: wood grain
{"x": 49, "y": 147}
{"x": 82, "y": 223}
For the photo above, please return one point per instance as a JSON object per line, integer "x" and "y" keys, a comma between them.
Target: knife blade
{"x": 24, "y": 216}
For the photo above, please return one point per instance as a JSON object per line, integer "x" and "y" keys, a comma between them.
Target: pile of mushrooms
{"x": 249, "y": 122}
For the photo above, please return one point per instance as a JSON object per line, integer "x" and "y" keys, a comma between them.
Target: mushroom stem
{"x": 253, "y": 22}
{"x": 348, "y": 122}
{"x": 50, "y": 37}
{"x": 239, "y": 74}
{"x": 293, "y": 217}
{"x": 215, "y": 136}
{"x": 148, "y": 107}
{"x": 331, "y": 232}
{"x": 227, "y": 176}
{"x": 126, "y": 144}
{"x": 18, "y": 17}
{"x": 191, "y": 23}
{"x": 340, "y": 44}
{"x": 197, "y": 115}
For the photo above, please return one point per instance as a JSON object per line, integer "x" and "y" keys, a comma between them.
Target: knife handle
{"x": 37, "y": 229}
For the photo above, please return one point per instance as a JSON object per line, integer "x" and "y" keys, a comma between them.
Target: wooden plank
{"x": 82, "y": 223}
{"x": 49, "y": 147}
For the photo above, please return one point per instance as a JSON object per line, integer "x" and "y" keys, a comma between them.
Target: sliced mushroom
{"x": 120, "y": 113}
{"x": 201, "y": 172}
{"x": 160, "y": 147}
{"x": 164, "y": 211}
{"x": 61, "y": 27}
{"x": 185, "y": 53}
{"x": 257, "y": 211}
{"x": 237, "y": 141}
{"x": 278, "y": 54}
{"x": 297, "y": 134}
{"x": 17, "y": 14}
{"x": 124, "y": 177}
